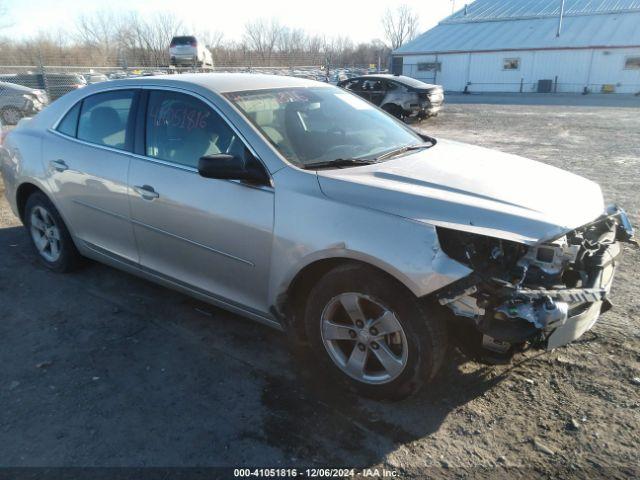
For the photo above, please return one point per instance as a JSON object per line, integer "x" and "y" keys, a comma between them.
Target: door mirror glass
{"x": 224, "y": 166}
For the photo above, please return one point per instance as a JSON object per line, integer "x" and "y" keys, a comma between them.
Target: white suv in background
{"x": 187, "y": 51}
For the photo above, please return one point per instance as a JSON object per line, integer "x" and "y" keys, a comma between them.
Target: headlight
{"x": 41, "y": 95}
{"x": 479, "y": 251}
{"x": 35, "y": 101}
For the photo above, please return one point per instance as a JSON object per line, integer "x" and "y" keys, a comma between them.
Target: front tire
{"x": 11, "y": 115}
{"x": 49, "y": 235}
{"x": 372, "y": 334}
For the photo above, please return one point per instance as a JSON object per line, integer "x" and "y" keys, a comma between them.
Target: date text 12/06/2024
{"x": 314, "y": 473}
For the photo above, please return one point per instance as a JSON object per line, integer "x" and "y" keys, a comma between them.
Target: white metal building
{"x": 530, "y": 46}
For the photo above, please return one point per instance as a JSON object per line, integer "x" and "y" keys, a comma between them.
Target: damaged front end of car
{"x": 544, "y": 295}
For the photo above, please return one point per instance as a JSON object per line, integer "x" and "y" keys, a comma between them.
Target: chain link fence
{"x": 27, "y": 89}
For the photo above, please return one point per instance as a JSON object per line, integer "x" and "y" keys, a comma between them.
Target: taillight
{"x": 194, "y": 43}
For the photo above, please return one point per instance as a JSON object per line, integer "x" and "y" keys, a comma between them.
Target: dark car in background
{"x": 403, "y": 97}
{"x": 17, "y": 101}
{"x": 55, "y": 84}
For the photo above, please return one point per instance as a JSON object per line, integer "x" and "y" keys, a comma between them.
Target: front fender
{"x": 310, "y": 227}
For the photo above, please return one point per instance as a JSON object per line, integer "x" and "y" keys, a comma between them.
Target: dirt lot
{"x": 102, "y": 369}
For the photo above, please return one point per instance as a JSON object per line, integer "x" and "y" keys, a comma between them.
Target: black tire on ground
{"x": 69, "y": 258}
{"x": 423, "y": 327}
{"x": 10, "y": 115}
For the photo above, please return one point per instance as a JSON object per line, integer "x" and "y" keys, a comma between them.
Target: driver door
{"x": 211, "y": 235}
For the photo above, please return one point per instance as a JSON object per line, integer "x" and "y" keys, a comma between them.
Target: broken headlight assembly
{"x": 546, "y": 294}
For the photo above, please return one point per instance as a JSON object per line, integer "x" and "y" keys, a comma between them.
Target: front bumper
{"x": 547, "y": 309}
{"x": 558, "y": 316}
{"x": 33, "y": 108}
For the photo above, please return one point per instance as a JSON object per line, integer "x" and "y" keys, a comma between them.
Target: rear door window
{"x": 105, "y": 119}
{"x": 390, "y": 86}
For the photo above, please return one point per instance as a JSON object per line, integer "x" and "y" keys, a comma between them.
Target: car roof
{"x": 224, "y": 82}
{"x": 412, "y": 82}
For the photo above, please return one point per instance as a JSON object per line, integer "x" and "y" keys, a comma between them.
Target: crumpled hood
{"x": 473, "y": 189}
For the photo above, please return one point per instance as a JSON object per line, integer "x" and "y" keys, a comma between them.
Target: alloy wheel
{"x": 45, "y": 234}
{"x": 364, "y": 338}
{"x": 11, "y": 116}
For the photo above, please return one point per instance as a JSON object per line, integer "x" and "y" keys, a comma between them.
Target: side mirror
{"x": 229, "y": 167}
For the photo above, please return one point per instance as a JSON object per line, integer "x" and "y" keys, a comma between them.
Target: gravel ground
{"x": 100, "y": 368}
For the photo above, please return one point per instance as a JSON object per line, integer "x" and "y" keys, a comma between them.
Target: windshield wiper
{"x": 401, "y": 150}
{"x": 338, "y": 163}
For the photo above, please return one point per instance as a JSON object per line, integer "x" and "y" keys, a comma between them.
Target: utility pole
{"x": 560, "y": 18}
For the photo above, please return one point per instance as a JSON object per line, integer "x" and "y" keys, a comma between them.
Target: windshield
{"x": 322, "y": 124}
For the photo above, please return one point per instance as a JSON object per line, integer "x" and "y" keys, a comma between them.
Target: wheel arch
{"x": 290, "y": 302}
{"x": 392, "y": 107}
{"x": 23, "y": 192}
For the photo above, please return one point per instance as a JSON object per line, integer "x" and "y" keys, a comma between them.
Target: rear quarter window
{"x": 69, "y": 124}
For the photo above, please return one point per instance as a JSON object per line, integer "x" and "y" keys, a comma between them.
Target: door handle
{"x": 146, "y": 191}
{"x": 59, "y": 165}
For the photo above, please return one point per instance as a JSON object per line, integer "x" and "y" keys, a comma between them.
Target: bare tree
{"x": 262, "y": 36}
{"x": 212, "y": 39}
{"x": 98, "y": 32}
{"x": 400, "y": 25}
{"x": 127, "y": 39}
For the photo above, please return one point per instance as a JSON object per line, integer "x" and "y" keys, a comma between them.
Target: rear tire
{"x": 372, "y": 334}
{"x": 49, "y": 235}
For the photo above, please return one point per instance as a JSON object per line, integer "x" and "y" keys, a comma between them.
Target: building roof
{"x": 488, "y": 10}
{"x": 497, "y": 25}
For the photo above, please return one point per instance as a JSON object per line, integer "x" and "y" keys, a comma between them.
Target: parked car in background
{"x": 117, "y": 75}
{"x": 403, "y": 97}
{"x": 55, "y": 84}
{"x": 17, "y": 101}
{"x": 91, "y": 78}
{"x": 186, "y": 51}
{"x": 306, "y": 208}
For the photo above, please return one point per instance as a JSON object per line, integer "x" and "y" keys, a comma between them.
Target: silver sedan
{"x": 307, "y": 208}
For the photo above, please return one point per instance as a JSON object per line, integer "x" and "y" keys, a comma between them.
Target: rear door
{"x": 88, "y": 162}
{"x": 213, "y": 235}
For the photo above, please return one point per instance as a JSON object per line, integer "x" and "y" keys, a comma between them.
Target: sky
{"x": 360, "y": 20}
